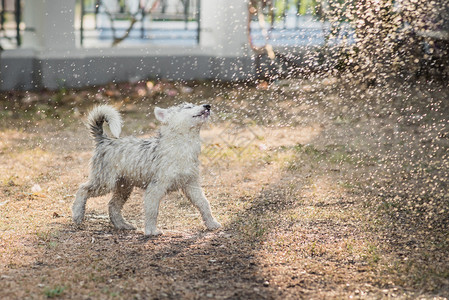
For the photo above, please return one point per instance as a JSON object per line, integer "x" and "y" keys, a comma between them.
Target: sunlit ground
{"x": 326, "y": 189}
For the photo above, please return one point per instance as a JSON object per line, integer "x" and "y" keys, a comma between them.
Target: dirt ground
{"x": 326, "y": 189}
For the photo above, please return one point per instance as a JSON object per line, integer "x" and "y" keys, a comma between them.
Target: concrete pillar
{"x": 50, "y": 24}
{"x": 223, "y": 27}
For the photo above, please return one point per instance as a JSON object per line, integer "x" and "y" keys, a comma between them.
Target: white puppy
{"x": 158, "y": 165}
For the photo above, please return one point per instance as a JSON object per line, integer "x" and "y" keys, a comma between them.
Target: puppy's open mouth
{"x": 205, "y": 113}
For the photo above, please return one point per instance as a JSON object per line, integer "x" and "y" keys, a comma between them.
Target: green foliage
{"x": 307, "y": 7}
{"x": 302, "y": 7}
{"x": 54, "y": 292}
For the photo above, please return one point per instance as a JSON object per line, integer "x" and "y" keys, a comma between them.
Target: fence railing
{"x": 294, "y": 23}
{"x": 10, "y": 19}
{"x": 139, "y": 21}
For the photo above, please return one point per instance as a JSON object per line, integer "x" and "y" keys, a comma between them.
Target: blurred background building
{"x": 75, "y": 43}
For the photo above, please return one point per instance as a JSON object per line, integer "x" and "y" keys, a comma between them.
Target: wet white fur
{"x": 159, "y": 164}
{"x": 111, "y": 116}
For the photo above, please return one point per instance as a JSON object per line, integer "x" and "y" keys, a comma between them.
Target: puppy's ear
{"x": 161, "y": 114}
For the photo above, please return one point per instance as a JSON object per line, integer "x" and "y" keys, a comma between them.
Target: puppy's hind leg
{"x": 121, "y": 194}
{"x": 86, "y": 191}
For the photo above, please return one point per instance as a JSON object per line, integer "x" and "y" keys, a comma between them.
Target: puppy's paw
{"x": 152, "y": 232}
{"x": 125, "y": 226}
{"x": 78, "y": 214}
{"x": 213, "y": 225}
{"x": 78, "y": 219}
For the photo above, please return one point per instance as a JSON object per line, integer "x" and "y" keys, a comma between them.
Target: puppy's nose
{"x": 206, "y": 106}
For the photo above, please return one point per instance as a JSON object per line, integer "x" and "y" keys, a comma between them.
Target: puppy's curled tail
{"x": 98, "y": 116}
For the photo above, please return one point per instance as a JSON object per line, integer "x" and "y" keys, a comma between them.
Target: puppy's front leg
{"x": 195, "y": 194}
{"x": 152, "y": 198}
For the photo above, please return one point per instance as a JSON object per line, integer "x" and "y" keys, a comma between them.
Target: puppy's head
{"x": 183, "y": 117}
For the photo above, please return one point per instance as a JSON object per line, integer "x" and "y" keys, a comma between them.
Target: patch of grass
{"x": 349, "y": 185}
{"x": 342, "y": 120}
{"x": 372, "y": 255}
{"x": 44, "y": 236}
{"x": 253, "y": 229}
{"x": 335, "y": 154}
{"x": 110, "y": 293}
{"x": 309, "y": 150}
{"x": 349, "y": 246}
{"x": 315, "y": 249}
{"x": 55, "y": 291}
{"x": 281, "y": 157}
{"x": 303, "y": 153}
{"x": 47, "y": 239}
{"x": 225, "y": 152}
{"x": 59, "y": 95}
{"x": 339, "y": 157}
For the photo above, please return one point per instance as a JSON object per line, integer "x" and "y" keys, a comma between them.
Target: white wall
{"x": 50, "y": 57}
